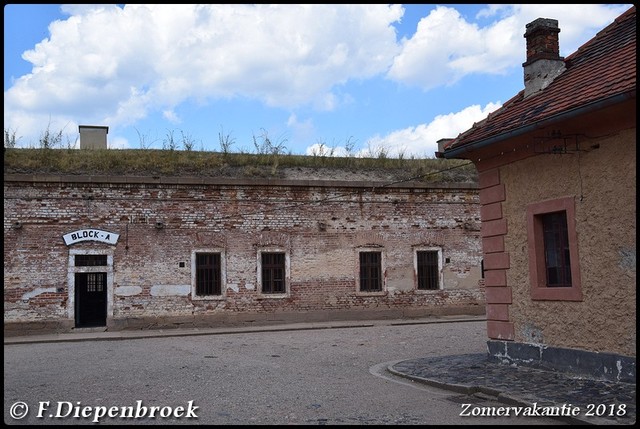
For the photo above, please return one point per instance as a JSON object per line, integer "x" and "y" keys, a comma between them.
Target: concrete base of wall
{"x": 602, "y": 366}
{"x": 14, "y": 329}
{"x": 239, "y": 319}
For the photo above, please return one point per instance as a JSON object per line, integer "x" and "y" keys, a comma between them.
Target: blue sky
{"x": 314, "y": 79}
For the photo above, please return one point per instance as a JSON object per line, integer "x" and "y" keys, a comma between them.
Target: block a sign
{"x": 90, "y": 235}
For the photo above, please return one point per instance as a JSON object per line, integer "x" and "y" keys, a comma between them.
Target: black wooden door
{"x": 91, "y": 299}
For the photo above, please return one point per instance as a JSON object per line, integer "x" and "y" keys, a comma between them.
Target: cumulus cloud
{"x": 114, "y": 65}
{"x": 446, "y": 47}
{"x": 577, "y": 22}
{"x": 428, "y": 58}
{"x": 421, "y": 141}
{"x": 106, "y": 64}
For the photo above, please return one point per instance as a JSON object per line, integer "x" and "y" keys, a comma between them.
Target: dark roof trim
{"x": 102, "y": 127}
{"x": 456, "y": 152}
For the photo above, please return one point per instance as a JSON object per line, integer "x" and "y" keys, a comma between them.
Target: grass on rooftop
{"x": 153, "y": 162}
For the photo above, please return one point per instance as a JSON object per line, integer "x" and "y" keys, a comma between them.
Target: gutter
{"x": 456, "y": 153}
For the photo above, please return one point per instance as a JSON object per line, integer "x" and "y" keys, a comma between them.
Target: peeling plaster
{"x": 532, "y": 334}
{"x": 234, "y": 287}
{"x": 170, "y": 290}
{"x": 128, "y": 290}
{"x": 619, "y": 366}
{"x": 37, "y": 292}
{"x": 628, "y": 259}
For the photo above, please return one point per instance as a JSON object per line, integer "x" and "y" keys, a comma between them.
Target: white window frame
{"x": 383, "y": 271}
{"x": 287, "y": 273}
{"x": 223, "y": 275}
{"x": 440, "y": 268}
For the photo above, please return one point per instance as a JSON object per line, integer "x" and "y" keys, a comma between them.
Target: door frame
{"x": 71, "y": 279}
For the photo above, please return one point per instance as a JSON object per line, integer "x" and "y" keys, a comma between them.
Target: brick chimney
{"x": 544, "y": 62}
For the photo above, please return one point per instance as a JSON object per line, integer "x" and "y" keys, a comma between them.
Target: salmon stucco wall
{"x": 602, "y": 181}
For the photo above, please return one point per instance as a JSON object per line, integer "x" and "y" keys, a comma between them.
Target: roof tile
{"x": 603, "y": 67}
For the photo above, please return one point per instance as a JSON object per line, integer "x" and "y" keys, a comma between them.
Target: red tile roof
{"x": 602, "y": 68}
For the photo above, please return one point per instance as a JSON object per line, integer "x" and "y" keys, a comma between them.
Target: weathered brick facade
{"x": 161, "y": 223}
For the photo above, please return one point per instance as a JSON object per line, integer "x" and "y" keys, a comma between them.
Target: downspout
{"x": 456, "y": 152}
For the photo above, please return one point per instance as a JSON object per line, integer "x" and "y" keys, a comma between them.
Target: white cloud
{"x": 107, "y": 64}
{"x": 171, "y": 116}
{"x": 110, "y": 65}
{"x": 446, "y": 48}
{"x": 577, "y": 22}
{"x": 427, "y": 58}
{"x": 422, "y": 141}
{"x": 322, "y": 149}
{"x": 118, "y": 143}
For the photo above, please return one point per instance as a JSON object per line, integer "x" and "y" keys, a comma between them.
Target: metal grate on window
{"x": 208, "y": 274}
{"x": 273, "y": 273}
{"x": 90, "y": 260}
{"x": 370, "y": 271}
{"x": 556, "y": 249}
{"x": 428, "y": 270}
{"x": 95, "y": 282}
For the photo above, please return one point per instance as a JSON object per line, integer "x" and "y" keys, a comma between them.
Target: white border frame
{"x": 287, "y": 273}
{"x": 71, "y": 279}
{"x": 383, "y": 271}
{"x": 223, "y": 275}
{"x": 440, "y": 268}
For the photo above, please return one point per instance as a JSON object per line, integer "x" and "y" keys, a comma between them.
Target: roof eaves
{"x": 456, "y": 152}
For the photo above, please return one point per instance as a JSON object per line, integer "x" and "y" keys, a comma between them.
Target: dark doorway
{"x": 91, "y": 299}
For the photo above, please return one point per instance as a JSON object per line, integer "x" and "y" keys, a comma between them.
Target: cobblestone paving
{"x": 599, "y": 402}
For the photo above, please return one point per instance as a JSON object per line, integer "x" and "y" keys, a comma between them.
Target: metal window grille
{"x": 428, "y": 273}
{"x": 370, "y": 271}
{"x": 208, "y": 274}
{"x": 556, "y": 249}
{"x": 95, "y": 282}
{"x": 90, "y": 260}
{"x": 273, "y": 273}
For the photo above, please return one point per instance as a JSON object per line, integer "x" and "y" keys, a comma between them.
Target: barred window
{"x": 95, "y": 282}
{"x": 273, "y": 273}
{"x": 208, "y": 274}
{"x": 370, "y": 271}
{"x": 556, "y": 249}
{"x": 554, "y": 268}
{"x": 90, "y": 260}
{"x": 428, "y": 270}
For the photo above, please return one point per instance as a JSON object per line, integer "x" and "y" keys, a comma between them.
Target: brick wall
{"x": 320, "y": 225}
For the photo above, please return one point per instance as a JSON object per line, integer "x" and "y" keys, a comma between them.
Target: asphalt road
{"x": 309, "y": 377}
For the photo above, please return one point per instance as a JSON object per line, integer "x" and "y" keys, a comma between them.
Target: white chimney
{"x": 93, "y": 137}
